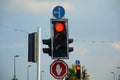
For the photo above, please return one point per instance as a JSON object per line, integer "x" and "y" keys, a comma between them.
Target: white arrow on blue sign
{"x": 58, "y": 12}
{"x": 77, "y": 62}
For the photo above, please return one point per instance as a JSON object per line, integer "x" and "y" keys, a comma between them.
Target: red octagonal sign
{"x": 58, "y": 69}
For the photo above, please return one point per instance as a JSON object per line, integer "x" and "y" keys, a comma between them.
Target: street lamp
{"x": 28, "y": 71}
{"x": 119, "y": 75}
{"x": 41, "y": 74}
{"x": 118, "y": 67}
{"x": 15, "y": 65}
{"x": 113, "y": 75}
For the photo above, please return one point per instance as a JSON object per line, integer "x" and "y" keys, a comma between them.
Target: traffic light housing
{"x": 70, "y": 48}
{"x": 32, "y": 47}
{"x": 78, "y": 71}
{"x": 47, "y": 50}
{"x": 59, "y": 38}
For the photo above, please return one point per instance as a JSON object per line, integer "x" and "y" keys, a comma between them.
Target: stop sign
{"x": 58, "y": 69}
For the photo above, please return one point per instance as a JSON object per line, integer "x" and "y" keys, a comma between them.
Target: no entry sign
{"x": 58, "y": 69}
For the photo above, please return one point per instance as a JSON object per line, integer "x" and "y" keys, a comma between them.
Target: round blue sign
{"x": 58, "y": 12}
{"x": 77, "y": 62}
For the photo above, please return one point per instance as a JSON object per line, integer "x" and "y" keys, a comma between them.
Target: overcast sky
{"x": 93, "y": 24}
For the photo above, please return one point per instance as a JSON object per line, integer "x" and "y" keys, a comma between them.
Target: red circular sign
{"x": 58, "y": 69}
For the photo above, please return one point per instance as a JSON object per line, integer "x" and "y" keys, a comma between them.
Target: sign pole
{"x": 81, "y": 72}
{"x": 39, "y": 53}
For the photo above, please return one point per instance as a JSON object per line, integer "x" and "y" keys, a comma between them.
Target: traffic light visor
{"x": 59, "y": 27}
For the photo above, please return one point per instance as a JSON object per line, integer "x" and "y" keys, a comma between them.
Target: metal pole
{"x": 81, "y": 72}
{"x": 15, "y": 65}
{"x": 41, "y": 74}
{"x": 119, "y": 75}
{"x": 39, "y": 53}
{"x": 14, "y": 68}
{"x": 113, "y": 75}
{"x": 28, "y": 71}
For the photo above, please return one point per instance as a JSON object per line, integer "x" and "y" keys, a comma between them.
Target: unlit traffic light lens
{"x": 59, "y": 27}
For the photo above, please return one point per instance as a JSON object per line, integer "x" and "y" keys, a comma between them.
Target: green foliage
{"x": 14, "y": 78}
{"x": 85, "y": 76}
{"x": 72, "y": 73}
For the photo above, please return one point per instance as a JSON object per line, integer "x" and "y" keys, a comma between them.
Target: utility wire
{"x": 15, "y": 29}
{"x": 95, "y": 41}
{"x": 81, "y": 41}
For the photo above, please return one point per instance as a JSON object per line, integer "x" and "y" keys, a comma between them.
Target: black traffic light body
{"x": 58, "y": 44}
{"x": 32, "y": 47}
{"x": 47, "y": 50}
{"x": 59, "y": 39}
{"x": 78, "y": 72}
{"x": 70, "y": 48}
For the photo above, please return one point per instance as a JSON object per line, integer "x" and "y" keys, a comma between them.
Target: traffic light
{"x": 70, "y": 48}
{"x": 32, "y": 47}
{"x": 78, "y": 71}
{"x": 59, "y": 38}
{"x": 47, "y": 50}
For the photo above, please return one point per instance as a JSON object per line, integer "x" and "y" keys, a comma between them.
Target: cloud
{"x": 84, "y": 51}
{"x": 81, "y": 51}
{"x": 116, "y": 45}
{"x": 32, "y": 6}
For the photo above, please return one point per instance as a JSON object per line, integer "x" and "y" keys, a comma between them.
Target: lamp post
{"x": 28, "y": 71}
{"x": 41, "y": 74}
{"x": 113, "y": 75}
{"x": 15, "y": 66}
{"x": 118, "y": 67}
{"x": 119, "y": 75}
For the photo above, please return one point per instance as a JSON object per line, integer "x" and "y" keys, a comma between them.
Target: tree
{"x": 14, "y": 78}
{"x": 85, "y": 76}
{"x": 72, "y": 73}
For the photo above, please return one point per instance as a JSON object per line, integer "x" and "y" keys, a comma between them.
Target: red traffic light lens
{"x": 78, "y": 67}
{"x": 59, "y": 27}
